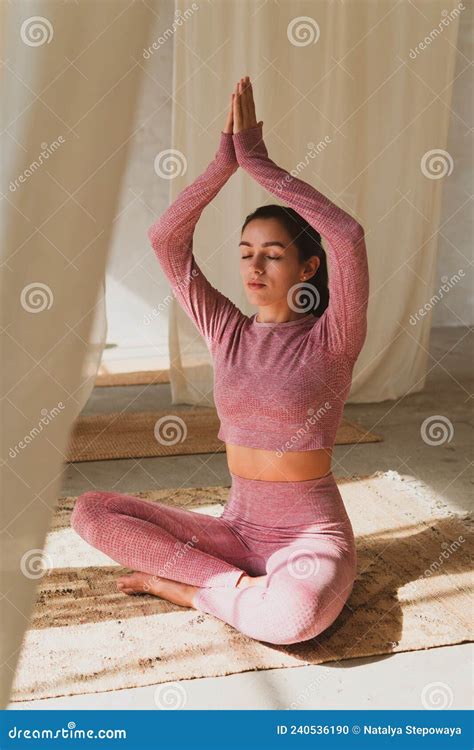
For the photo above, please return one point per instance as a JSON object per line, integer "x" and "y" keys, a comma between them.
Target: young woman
{"x": 280, "y": 562}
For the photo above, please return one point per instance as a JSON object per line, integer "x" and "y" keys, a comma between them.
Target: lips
{"x": 255, "y": 284}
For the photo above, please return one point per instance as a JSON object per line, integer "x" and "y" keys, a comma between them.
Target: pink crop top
{"x": 277, "y": 386}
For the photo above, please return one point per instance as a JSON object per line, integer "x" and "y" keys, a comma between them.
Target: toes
{"x": 129, "y": 581}
{"x": 126, "y": 585}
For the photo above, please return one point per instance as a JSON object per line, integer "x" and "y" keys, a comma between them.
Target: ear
{"x": 312, "y": 265}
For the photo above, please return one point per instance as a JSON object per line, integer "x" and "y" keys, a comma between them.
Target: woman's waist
{"x": 284, "y": 530}
{"x": 271, "y": 466}
{"x": 285, "y": 504}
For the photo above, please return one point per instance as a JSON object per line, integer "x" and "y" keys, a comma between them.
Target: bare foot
{"x": 165, "y": 588}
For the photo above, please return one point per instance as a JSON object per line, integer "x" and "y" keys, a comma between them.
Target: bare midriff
{"x": 291, "y": 466}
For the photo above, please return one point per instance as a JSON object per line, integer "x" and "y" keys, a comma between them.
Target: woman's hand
{"x": 229, "y": 125}
{"x": 244, "y": 106}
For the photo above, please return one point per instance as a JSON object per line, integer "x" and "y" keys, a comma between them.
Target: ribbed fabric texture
{"x": 277, "y": 386}
{"x": 158, "y": 539}
{"x": 297, "y": 533}
{"x": 300, "y": 535}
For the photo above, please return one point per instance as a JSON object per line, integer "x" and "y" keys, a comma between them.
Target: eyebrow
{"x": 264, "y": 244}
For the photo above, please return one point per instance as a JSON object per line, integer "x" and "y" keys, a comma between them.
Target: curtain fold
{"x": 68, "y": 107}
{"x": 94, "y": 350}
{"x": 355, "y": 101}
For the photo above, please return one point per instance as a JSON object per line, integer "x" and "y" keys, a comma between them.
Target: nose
{"x": 257, "y": 266}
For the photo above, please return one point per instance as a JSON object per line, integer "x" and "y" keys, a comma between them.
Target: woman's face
{"x": 268, "y": 255}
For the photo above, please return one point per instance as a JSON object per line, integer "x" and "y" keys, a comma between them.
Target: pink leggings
{"x": 298, "y": 534}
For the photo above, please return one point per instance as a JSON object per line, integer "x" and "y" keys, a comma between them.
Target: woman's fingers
{"x": 242, "y": 102}
{"x": 245, "y": 102}
{"x": 228, "y": 127}
{"x": 237, "y": 109}
{"x": 252, "y": 103}
{"x": 244, "y": 105}
{"x": 250, "y": 117}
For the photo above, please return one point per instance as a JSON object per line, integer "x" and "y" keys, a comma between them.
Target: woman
{"x": 280, "y": 562}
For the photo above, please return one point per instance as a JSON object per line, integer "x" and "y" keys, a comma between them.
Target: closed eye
{"x": 271, "y": 257}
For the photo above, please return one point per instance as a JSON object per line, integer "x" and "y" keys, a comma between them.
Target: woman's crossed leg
{"x": 164, "y": 541}
{"x": 305, "y": 586}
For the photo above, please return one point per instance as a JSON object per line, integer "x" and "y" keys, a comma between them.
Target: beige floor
{"x": 388, "y": 682}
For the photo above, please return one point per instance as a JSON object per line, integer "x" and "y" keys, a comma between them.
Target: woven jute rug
{"x": 161, "y": 433}
{"x": 141, "y": 377}
{"x": 412, "y": 592}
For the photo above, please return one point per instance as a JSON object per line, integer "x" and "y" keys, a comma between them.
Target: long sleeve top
{"x": 277, "y": 386}
{"x": 172, "y": 240}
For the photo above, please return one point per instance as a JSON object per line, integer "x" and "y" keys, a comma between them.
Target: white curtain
{"x": 70, "y": 79}
{"x": 355, "y": 97}
{"x": 69, "y": 83}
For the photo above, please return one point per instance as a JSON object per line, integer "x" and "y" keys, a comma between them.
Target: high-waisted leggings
{"x": 297, "y": 534}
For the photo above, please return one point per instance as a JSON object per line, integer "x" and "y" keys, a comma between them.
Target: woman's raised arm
{"x": 343, "y": 325}
{"x": 171, "y": 237}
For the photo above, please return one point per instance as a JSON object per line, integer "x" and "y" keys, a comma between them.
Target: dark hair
{"x": 308, "y": 242}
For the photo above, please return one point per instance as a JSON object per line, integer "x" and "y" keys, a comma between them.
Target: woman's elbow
{"x": 154, "y": 234}
{"x": 357, "y": 232}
